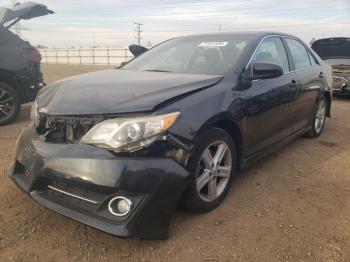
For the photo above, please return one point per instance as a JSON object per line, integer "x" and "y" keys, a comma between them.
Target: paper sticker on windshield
{"x": 213, "y": 44}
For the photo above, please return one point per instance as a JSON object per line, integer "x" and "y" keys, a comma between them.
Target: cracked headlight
{"x": 129, "y": 134}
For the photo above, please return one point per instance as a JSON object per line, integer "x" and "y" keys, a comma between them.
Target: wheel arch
{"x": 227, "y": 123}
{"x": 9, "y": 78}
{"x": 328, "y": 98}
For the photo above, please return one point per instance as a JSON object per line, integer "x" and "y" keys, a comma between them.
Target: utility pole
{"x": 219, "y": 28}
{"x": 93, "y": 40}
{"x": 138, "y": 33}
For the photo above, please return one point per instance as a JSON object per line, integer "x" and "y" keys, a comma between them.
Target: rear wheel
{"x": 212, "y": 166}
{"x": 319, "y": 120}
{"x": 10, "y": 104}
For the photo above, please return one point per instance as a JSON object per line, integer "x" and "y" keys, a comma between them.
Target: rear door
{"x": 310, "y": 73}
{"x": 267, "y": 100}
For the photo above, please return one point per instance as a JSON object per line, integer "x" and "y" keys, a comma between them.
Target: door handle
{"x": 320, "y": 75}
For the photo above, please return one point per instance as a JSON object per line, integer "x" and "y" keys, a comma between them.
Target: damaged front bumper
{"x": 78, "y": 181}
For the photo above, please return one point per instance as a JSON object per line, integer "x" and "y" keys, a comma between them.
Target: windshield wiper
{"x": 157, "y": 70}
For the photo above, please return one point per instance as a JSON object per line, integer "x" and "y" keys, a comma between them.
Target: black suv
{"x": 20, "y": 75}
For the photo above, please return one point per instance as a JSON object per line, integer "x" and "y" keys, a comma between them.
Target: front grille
{"x": 339, "y": 82}
{"x": 67, "y": 130}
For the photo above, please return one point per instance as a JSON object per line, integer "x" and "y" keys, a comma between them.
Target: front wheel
{"x": 212, "y": 166}
{"x": 10, "y": 104}
{"x": 319, "y": 120}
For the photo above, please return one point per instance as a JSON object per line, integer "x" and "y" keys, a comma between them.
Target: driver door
{"x": 268, "y": 116}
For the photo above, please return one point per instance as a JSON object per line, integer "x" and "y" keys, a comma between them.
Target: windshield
{"x": 332, "y": 49}
{"x": 213, "y": 55}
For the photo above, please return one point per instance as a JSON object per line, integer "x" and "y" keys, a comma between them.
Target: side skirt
{"x": 246, "y": 162}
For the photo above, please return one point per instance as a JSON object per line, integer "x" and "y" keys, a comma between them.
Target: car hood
{"x": 26, "y": 11}
{"x": 119, "y": 91}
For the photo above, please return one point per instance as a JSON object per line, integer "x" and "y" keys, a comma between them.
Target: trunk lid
{"x": 332, "y": 48}
{"x": 27, "y": 10}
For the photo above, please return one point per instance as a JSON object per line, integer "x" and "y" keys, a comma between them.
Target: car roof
{"x": 255, "y": 34}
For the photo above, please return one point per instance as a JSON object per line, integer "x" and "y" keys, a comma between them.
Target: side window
{"x": 312, "y": 59}
{"x": 299, "y": 54}
{"x": 271, "y": 50}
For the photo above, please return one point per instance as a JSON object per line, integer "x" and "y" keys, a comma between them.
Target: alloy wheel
{"x": 7, "y": 104}
{"x": 320, "y": 116}
{"x": 214, "y": 171}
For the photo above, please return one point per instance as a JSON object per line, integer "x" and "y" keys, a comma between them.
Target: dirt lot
{"x": 293, "y": 206}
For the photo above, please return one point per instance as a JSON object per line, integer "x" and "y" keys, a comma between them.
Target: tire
{"x": 200, "y": 196}
{"x": 10, "y": 104}
{"x": 318, "y": 120}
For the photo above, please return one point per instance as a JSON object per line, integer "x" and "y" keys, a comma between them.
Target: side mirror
{"x": 137, "y": 50}
{"x": 264, "y": 71}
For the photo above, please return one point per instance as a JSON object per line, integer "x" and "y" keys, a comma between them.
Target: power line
{"x": 227, "y": 28}
{"x": 161, "y": 6}
{"x": 296, "y": 8}
{"x": 138, "y": 33}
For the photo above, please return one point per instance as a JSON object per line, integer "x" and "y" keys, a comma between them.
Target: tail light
{"x": 32, "y": 55}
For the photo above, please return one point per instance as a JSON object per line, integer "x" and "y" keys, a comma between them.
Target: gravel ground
{"x": 292, "y": 206}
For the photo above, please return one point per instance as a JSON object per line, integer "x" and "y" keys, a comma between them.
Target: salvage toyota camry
{"x": 120, "y": 149}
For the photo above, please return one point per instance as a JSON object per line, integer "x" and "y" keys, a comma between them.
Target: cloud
{"x": 112, "y": 21}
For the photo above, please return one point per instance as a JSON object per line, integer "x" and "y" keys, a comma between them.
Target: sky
{"x": 111, "y": 22}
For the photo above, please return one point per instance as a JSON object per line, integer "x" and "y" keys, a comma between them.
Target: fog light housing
{"x": 119, "y": 206}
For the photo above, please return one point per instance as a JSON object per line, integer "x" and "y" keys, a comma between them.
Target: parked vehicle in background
{"x": 119, "y": 149}
{"x": 20, "y": 75}
{"x": 336, "y": 52}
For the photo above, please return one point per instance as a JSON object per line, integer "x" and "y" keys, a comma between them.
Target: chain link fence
{"x": 86, "y": 56}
